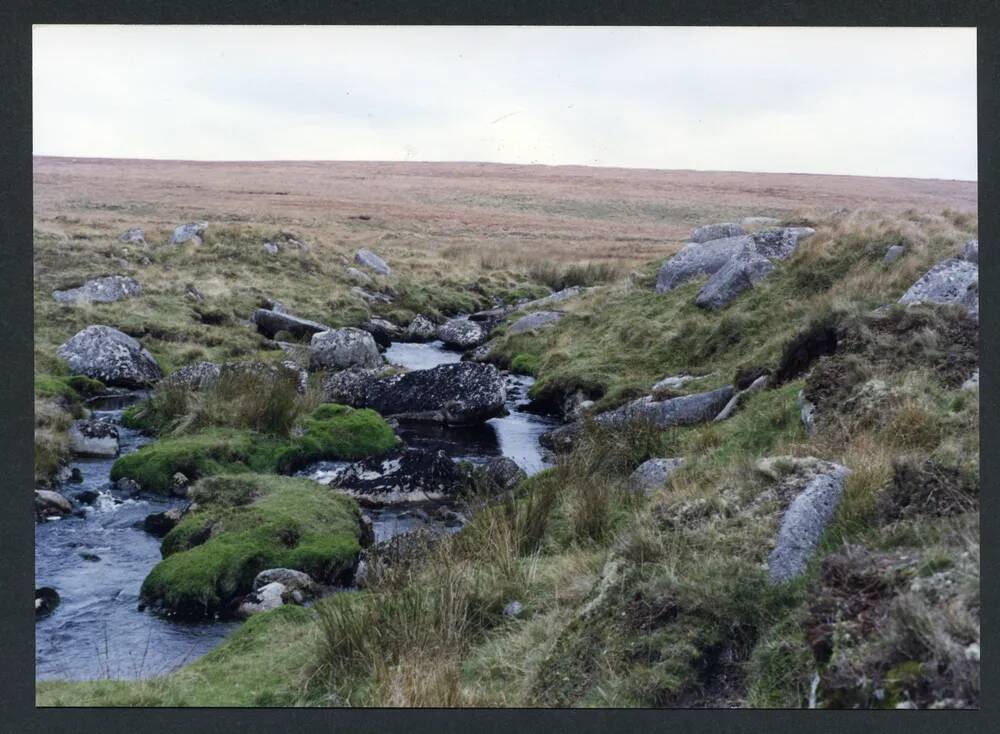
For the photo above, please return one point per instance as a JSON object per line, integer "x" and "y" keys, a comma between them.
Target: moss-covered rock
{"x": 244, "y": 524}
{"x": 329, "y": 432}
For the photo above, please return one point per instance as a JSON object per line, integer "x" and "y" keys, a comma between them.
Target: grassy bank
{"x": 629, "y": 600}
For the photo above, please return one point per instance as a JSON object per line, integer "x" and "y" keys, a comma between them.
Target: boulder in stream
{"x": 461, "y": 333}
{"x": 93, "y": 438}
{"x": 406, "y": 475}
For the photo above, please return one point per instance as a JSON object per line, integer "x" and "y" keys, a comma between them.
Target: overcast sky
{"x": 880, "y": 102}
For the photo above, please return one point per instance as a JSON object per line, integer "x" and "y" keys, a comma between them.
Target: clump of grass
{"x": 214, "y": 553}
{"x": 557, "y": 277}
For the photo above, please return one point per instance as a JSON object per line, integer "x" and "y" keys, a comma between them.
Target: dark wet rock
{"x": 133, "y": 235}
{"x": 88, "y": 556}
{"x": 461, "y": 333}
{"x": 462, "y": 393}
{"x": 740, "y": 273}
{"x": 127, "y": 486}
{"x": 951, "y": 281}
{"x": 339, "y": 349}
{"x": 397, "y": 552}
{"x": 893, "y": 254}
{"x": 101, "y": 290}
{"x": 698, "y": 259}
{"x": 93, "y": 438}
{"x": 87, "y": 496}
{"x": 715, "y": 232}
{"x": 970, "y": 253}
{"x": 76, "y": 476}
{"x": 195, "y": 376}
{"x": 490, "y": 318}
{"x": 270, "y": 323}
{"x": 161, "y": 523}
{"x": 367, "y": 531}
{"x": 498, "y": 475}
{"x": 804, "y": 522}
{"x": 653, "y": 474}
{"x": 368, "y": 259}
{"x": 193, "y": 231}
{"x": 46, "y": 600}
{"x": 536, "y": 320}
{"x": 51, "y": 504}
{"x": 383, "y": 332}
{"x": 406, "y": 475}
{"x": 420, "y": 330}
{"x": 108, "y": 355}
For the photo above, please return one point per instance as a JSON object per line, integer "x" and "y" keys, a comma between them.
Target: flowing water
{"x": 98, "y": 560}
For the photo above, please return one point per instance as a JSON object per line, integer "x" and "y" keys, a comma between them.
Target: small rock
{"x": 972, "y": 652}
{"x": 93, "y": 438}
{"x": 46, "y": 600}
{"x": 339, "y": 349}
{"x": 51, "y": 504}
{"x": 133, "y": 235}
{"x": 194, "y": 231}
{"x": 513, "y": 609}
{"x": 291, "y": 579}
{"x": 179, "y": 485}
{"x": 161, "y": 523}
{"x": 557, "y": 297}
{"x": 893, "y": 254}
{"x": 368, "y": 259}
{"x": 421, "y": 330}
{"x": 102, "y": 290}
{"x": 370, "y": 296}
{"x": 972, "y": 383}
{"x": 193, "y": 293}
{"x": 653, "y": 474}
{"x": 263, "y": 599}
{"x": 461, "y": 333}
{"x": 359, "y": 277}
{"x": 127, "y": 486}
{"x": 75, "y": 475}
{"x": 92, "y": 557}
{"x": 807, "y": 411}
{"x": 383, "y": 332}
{"x": 535, "y": 320}
{"x": 270, "y": 248}
{"x": 87, "y": 496}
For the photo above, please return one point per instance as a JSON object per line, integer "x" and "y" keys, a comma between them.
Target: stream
{"x": 97, "y": 560}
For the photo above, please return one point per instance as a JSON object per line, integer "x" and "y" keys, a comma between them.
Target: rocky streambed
{"x": 97, "y": 557}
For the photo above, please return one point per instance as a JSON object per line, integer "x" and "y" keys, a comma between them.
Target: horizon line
{"x": 494, "y": 163}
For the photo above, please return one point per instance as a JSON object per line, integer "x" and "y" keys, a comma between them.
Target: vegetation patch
{"x": 243, "y": 525}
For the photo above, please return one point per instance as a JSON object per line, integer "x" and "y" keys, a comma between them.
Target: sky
{"x": 858, "y": 101}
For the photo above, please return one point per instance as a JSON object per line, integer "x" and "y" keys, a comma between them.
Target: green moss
{"x": 72, "y": 386}
{"x": 243, "y": 525}
{"x": 337, "y": 432}
{"x": 331, "y": 432}
{"x": 524, "y": 364}
{"x": 215, "y": 451}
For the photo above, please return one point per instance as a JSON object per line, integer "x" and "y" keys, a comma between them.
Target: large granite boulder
{"x": 195, "y": 376}
{"x": 805, "y": 521}
{"x": 952, "y": 281}
{"x": 535, "y": 320}
{"x": 270, "y": 323}
{"x": 461, "y": 333}
{"x": 715, "y": 232}
{"x": 407, "y": 475}
{"x": 373, "y": 262}
{"x": 681, "y": 411}
{"x": 551, "y": 299}
{"x": 461, "y": 393}
{"x": 340, "y": 349}
{"x": 698, "y": 259}
{"x": 93, "y": 438}
{"x": 742, "y": 271}
{"x": 778, "y": 243}
{"x": 193, "y": 231}
{"x": 108, "y": 355}
{"x": 420, "y": 330}
{"x": 101, "y": 290}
